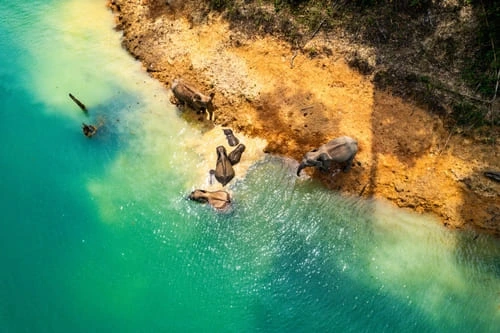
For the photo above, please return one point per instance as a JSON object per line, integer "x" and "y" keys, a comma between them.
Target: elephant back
{"x": 235, "y": 155}
{"x": 224, "y": 171}
{"x": 341, "y": 149}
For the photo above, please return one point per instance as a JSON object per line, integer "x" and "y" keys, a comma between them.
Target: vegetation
{"x": 386, "y": 26}
{"x": 484, "y": 64}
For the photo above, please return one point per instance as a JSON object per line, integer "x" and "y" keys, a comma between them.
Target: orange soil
{"x": 297, "y": 103}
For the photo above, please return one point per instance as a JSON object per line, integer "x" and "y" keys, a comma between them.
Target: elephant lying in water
{"x": 217, "y": 199}
{"x": 340, "y": 150}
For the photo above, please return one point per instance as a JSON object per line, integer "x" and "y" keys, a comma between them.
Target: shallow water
{"x": 97, "y": 235}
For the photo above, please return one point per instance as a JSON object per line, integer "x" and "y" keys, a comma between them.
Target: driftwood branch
{"x": 80, "y": 104}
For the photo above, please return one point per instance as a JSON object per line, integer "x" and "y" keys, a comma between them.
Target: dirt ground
{"x": 297, "y": 102}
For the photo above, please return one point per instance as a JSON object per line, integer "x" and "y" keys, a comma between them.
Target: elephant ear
{"x": 324, "y": 161}
{"x": 323, "y": 157}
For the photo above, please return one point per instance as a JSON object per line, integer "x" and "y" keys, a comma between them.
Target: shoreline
{"x": 297, "y": 102}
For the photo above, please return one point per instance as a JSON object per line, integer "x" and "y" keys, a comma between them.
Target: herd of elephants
{"x": 339, "y": 151}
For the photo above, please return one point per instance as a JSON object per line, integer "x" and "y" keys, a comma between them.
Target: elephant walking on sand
{"x": 340, "y": 150}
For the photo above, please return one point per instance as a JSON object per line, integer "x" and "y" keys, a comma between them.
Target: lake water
{"x": 97, "y": 236}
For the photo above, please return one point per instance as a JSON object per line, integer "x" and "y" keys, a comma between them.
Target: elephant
{"x": 340, "y": 150}
{"x": 224, "y": 171}
{"x": 185, "y": 93}
{"x": 217, "y": 199}
{"x": 231, "y": 139}
{"x": 235, "y": 156}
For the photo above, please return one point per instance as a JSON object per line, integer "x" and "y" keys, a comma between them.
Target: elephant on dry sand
{"x": 186, "y": 94}
{"x": 340, "y": 151}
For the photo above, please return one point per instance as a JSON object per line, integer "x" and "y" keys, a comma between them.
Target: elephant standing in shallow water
{"x": 235, "y": 155}
{"x": 340, "y": 150}
{"x": 224, "y": 171}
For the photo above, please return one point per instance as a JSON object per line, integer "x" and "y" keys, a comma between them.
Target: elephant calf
{"x": 340, "y": 150}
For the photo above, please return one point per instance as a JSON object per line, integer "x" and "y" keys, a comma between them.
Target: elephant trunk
{"x": 299, "y": 169}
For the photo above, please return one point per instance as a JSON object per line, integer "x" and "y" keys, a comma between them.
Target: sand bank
{"x": 297, "y": 101}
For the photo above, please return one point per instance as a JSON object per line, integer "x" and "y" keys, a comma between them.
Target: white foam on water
{"x": 205, "y": 147}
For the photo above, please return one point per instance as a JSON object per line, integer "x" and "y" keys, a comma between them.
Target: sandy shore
{"x": 297, "y": 101}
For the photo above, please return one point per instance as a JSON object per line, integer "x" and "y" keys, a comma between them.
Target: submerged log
{"x": 89, "y": 130}
{"x": 80, "y": 104}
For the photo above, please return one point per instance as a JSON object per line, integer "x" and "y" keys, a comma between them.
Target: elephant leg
{"x": 348, "y": 165}
{"x": 324, "y": 162}
{"x": 325, "y": 165}
{"x": 210, "y": 115}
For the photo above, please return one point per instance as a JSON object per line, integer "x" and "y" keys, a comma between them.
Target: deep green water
{"x": 96, "y": 234}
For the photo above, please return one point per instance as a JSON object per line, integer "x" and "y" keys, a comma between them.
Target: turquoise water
{"x": 96, "y": 234}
